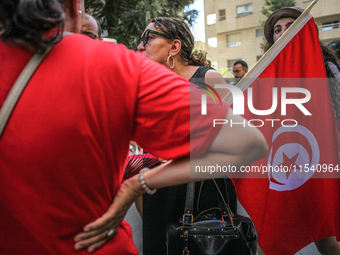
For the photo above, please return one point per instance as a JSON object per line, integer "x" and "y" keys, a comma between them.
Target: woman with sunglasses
{"x": 170, "y": 42}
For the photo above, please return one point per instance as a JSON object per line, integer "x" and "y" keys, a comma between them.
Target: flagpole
{"x": 272, "y": 53}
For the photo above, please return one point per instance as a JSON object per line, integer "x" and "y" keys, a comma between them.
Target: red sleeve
{"x": 168, "y": 114}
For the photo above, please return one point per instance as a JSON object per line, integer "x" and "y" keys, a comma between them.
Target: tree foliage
{"x": 126, "y": 20}
{"x": 223, "y": 71}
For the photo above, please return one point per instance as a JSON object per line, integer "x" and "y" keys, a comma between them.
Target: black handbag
{"x": 215, "y": 231}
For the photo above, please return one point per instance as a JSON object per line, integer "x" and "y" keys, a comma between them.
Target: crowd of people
{"x": 65, "y": 145}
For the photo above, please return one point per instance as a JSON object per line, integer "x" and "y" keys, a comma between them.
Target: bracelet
{"x": 142, "y": 182}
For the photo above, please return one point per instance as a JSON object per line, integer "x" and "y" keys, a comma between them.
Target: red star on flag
{"x": 289, "y": 163}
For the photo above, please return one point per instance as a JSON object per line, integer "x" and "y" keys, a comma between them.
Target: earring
{"x": 80, "y": 12}
{"x": 173, "y": 61}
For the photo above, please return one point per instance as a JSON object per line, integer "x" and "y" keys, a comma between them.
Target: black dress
{"x": 167, "y": 204}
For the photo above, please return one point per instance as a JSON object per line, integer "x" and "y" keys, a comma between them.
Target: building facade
{"x": 199, "y": 46}
{"x": 233, "y": 30}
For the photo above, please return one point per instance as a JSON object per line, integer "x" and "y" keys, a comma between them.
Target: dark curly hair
{"x": 27, "y": 22}
{"x": 334, "y": 84}
{"x": 177, "y": 29}
{"x": 335, "y": 47}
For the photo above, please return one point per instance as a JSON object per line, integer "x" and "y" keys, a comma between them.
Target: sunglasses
{"x": 89, "y": 34}
{"x": 145, "y": 36}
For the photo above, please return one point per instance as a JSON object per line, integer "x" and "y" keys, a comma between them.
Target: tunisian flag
{"x": 295, "y": 207}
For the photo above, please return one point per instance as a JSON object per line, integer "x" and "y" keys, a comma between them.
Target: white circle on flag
{"x": 297, "y": 156}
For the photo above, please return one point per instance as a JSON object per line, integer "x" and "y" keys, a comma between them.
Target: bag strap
{"x": 226, "y": 190}
{"x": 20, "y": 84}
{"x": 188, "y": 217}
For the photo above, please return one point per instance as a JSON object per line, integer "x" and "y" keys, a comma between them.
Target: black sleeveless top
{"x": 200, "y": 72}
{"x": 167, "y": 204}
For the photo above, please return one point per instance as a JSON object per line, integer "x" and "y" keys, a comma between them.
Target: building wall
{"x": 199, "y": 45}
{"x": 243, "y": 28}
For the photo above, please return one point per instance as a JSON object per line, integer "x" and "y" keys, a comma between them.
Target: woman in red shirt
{"x": 64, "y": 148}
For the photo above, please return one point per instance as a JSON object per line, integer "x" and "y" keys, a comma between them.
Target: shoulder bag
{"x": 215, "y": 231}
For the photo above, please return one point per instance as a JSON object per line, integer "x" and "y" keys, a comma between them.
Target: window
{"x": 221, "y": 14}
{"x": 211, "y": 19}
{"x": 259, "y": 32}
{"x": 330, "y": 25}
{"x": 244, "y": 10}
{"x": 212, "y": 42}
{"x": 231, "y": 64}
{"x": 233, "y": 40}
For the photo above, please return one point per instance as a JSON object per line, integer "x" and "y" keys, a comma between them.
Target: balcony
{"x": 329, "y": 32}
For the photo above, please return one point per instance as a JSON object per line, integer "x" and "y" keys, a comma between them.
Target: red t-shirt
{"x": 63, "y": 151}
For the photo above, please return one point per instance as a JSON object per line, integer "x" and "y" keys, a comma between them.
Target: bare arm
{"x": 232, "y": 145}
{"x": 213, "y": 77}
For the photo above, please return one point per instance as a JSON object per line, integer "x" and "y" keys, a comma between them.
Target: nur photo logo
{"x": 204, "y": 87}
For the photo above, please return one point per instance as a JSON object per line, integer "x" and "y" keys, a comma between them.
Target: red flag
{"x": 293, "y": 208}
